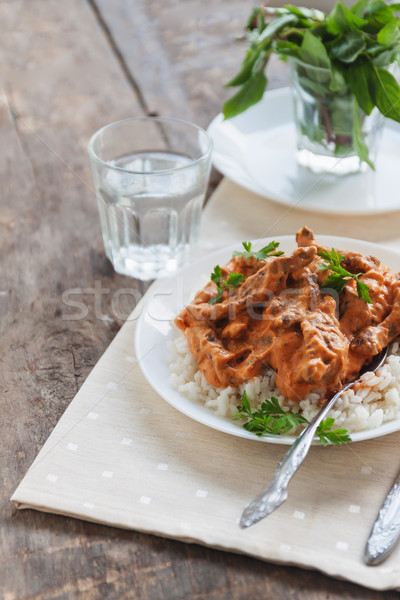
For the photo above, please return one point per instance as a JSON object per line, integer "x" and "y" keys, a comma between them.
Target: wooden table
{"x": 66, "y": 69}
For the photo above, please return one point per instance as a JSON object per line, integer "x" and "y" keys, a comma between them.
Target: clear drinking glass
{"x": 329, "y": 123}
{"x": 151, "y": 176}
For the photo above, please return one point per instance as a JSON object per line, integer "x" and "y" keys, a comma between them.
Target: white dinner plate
{"x": 257, "y": 150}
{"x": 155, "y": 330}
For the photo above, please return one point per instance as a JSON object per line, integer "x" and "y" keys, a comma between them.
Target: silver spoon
{"x": 276, "y": 493}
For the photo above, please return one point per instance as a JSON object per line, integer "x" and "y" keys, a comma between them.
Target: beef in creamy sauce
{"x": 281, "y": 317}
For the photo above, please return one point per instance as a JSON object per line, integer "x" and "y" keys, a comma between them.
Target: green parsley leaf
{"x": 362, "y": 290}
{"x": 327, "y": 435}
{"x": 340, "y": 276}
{"x": 333, "y": 258}
{"x": 216, "y": 275}
{"x": 218, "y": 297}
{"x": 233, "y": 281}
{"x": 247, "y": 246}
{"x": 270, "y": 418}
{"x": 268, "y": 250}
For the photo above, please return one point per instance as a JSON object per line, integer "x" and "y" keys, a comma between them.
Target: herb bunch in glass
{"x": 341, "y": 67}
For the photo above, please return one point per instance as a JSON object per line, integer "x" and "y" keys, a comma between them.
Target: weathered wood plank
{"x": 61, "y": 80}
{"x": 180, "y": 54}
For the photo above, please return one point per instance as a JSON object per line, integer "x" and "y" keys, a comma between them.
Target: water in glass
{"x": 150, "y": 223}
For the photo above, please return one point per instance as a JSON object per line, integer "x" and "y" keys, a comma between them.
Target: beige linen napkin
{"x": 122, "y": 456}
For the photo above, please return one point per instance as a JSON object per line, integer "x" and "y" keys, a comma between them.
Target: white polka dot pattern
{"x": 201, "y": 494}
{"x": 144, "y": 500}
{"x": 342, "y": 546}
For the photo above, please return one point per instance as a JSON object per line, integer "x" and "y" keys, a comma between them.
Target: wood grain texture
{"x": 61, "y": 78}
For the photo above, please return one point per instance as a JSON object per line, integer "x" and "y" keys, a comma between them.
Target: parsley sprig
{"x": 341, "y": 276}
{"x": 233, "y": 281}
{"x": 261, "y": 254}
{"x": 272, "y": 419}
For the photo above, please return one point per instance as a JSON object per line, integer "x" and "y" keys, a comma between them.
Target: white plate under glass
{"x": 257, "y": 150}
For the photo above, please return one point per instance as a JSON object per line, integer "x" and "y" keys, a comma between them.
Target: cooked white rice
{"x": 375, "y": 401}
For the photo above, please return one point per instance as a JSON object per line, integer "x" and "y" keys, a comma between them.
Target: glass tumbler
{"x": 151, "y": 176}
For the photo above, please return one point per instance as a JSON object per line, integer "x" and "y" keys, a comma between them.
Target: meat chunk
{"x": 270, "y": 278}
{"x": 282, "y": 317}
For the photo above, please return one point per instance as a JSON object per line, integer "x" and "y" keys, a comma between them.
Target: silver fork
{"x": 276, "y": 493}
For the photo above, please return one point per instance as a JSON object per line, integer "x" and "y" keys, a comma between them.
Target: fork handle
{"x": 276, "y": 492}
{"x": 299, "y": 449}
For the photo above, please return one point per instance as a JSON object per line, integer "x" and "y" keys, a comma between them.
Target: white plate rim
{"x": 197, "y": 411}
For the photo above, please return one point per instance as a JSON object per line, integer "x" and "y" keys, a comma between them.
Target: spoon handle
{"x": 386, "y": 529}
{"x": 276, "y": 493}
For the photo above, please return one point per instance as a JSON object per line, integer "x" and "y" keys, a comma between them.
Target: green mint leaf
{"x": 360, "y": 7}
{"x": 249, "y": 94}
{"x": 310, "y": 14}
{"x": 381, "y": 12}
{"x": 358, "y": 141}
{"x": 349, "y": 46}
{"x": 260, "y": 21}
{"x": 246, "y": 71}
{"x": 286, "y": 48}
{"x": 341, "y": 19}
{"x": 355, "y": 46}
{"x": 358, "y": 77}
{"x": 338, "y": 82}
{"x": 389, "y": 34}
{"x": 313, "y": 51}
{"x": 253, "y": 18}
{"x": 387, "y": 94}
{"x": 276, "y": 26}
